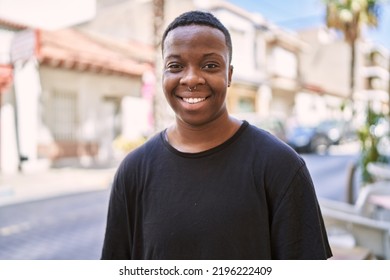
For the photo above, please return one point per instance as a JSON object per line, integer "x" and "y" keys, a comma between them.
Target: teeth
{"x": 193, "y": 100}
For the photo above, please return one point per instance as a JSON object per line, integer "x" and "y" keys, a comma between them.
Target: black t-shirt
{"x": 248, "y": 198}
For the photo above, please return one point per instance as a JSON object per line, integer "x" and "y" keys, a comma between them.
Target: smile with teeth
{"x": 193, "y": 100}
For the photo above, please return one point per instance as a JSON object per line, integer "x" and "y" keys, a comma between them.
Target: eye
{"x": 174, "y": 67}
{"x": 210, "y": 66}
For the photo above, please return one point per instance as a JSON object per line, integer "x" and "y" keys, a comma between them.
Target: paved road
{"x": 329, "y": 174}
{"x": 69, "y": 227}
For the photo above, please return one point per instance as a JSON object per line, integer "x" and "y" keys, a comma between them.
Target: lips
{"x": 193, "y": 100}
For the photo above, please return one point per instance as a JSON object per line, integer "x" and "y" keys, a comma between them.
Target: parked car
{"x": 271, "y": 124}
{"x": 318, "y": 139}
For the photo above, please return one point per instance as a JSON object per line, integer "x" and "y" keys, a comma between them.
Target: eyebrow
{"x": 177, "y": 56}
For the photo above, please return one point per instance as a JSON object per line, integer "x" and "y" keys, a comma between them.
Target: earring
{"x": 191, "y": 89}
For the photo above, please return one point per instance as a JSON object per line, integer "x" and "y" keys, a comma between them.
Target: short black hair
{"x": 199, "y": 18}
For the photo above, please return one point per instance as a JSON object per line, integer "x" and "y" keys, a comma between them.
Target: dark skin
{"x": 197, "y": 56}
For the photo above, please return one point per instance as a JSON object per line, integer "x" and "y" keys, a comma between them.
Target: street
{"x": 329, "y": 174}
{"x": 63, "y": 228}
{"x": 72, "y": 227}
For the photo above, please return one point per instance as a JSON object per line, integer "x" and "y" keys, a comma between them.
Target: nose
{"x": 192, "y": 77}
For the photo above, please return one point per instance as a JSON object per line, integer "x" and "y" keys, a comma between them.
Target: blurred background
{"x": 80, "y": 88}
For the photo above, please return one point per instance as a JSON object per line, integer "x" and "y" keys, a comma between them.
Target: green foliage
{"x": 125, "y": 145}
{"x": 369, "y": 139}
{"x": 349, "y": 16}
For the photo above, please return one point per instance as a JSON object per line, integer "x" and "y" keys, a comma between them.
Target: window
{"x": 246, "y": 104}
{"x": 284, "y": 63}
{"x": 63, "y": 115}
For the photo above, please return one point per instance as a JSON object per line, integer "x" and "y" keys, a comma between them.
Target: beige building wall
{"x": 325, "y": 62}
{"x": 87, "y": 117}
{"x": 126, "y": 20}
{"x": 325, "y": 67}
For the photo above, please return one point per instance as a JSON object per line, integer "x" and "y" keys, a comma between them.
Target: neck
{"x": 194, "y": 139}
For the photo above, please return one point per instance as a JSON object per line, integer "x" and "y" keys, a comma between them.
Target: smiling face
{"x": 196, "y": 73}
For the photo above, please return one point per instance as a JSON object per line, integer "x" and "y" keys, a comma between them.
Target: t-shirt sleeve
{"x": 117, "y": 240}
{"x": 298, "y": 230}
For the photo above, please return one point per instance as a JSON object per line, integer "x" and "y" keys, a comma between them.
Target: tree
{"x": 349, "y": 17}
{"x": 160, "y": 113}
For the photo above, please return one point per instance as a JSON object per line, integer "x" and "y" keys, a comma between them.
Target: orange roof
{"x": 73, "y": 49}
{"x": 11, "y": 24}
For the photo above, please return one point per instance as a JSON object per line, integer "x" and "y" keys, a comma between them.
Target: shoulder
{"x": 270, "y": 147}
{"x": 281, "y": 168}
{"x": 135, "y": 160}
{"x": 149, "y": 147}
{"x": 134, "y": 166}
{"x": 273, "y": 160}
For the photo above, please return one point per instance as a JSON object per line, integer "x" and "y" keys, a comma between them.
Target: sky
{"x": 301, "y": 14}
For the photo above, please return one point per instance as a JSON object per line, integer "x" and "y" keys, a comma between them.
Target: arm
{"x": 298, "y": 230}
{"x": 117, "y": 242}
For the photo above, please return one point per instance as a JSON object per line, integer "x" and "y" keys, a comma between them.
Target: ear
{"x": 230, "y": 74}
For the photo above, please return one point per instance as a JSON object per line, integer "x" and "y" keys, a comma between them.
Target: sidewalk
{"x": 348, "y": 148}
{"x": 17, "y": 188}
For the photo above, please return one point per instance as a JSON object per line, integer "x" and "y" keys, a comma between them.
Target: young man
{"x": 210, "y": 186}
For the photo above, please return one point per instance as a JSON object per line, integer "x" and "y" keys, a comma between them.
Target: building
{"x": 374, "y": 77}
{"x": 325, "y": 68}
{"x": 72, "y": 95}
{"x": 8, "y": 143}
